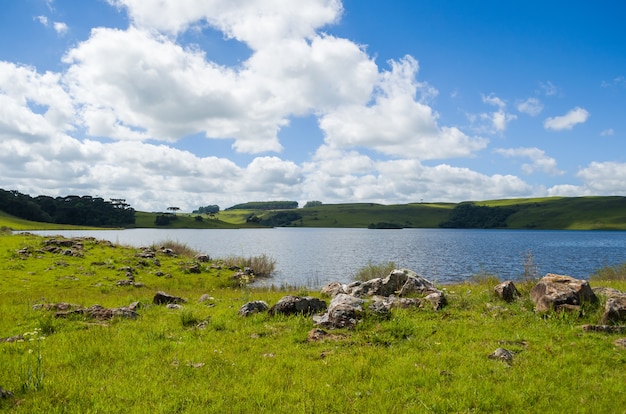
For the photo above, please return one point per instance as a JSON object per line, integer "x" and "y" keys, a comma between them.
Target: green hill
{"x": 569, "y": 213}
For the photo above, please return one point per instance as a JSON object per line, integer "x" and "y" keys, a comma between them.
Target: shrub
{"x": 373, "y": 271}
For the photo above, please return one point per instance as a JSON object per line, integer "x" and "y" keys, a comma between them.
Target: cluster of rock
{"x": 351, "y": 302}
{"x": 560, "y": 293}
{"x": 64, "y": 310}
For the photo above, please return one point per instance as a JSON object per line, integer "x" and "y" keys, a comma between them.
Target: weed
{"x": 33, "y": 375}
{"x": 531, "y": 271}
{"x": 373, "y": 271}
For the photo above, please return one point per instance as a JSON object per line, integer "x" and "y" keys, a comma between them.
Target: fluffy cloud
{"x": 598, "y": 178}
{"x": 568, "y": 121}
{"x": 499, "y": 119}
{"x": 531, "y": 106}
{"x": 539, "y": 160}
{"x": 397, "y": 123}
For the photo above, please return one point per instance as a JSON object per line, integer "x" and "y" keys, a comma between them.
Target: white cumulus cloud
{"x": 539, "y": 161}
{"x": 576, "y": 116}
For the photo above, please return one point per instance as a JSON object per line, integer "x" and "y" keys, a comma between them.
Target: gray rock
{"x": 333, "y": 289}
{"x": 437, "y": 299}
{"x": 174, "y": 306}
{"x": 502, "y": 354}
{"x": 559, "y": 292}
{"x": 344, "y": 311}
{"x": 202, "y": 258}
{"x": 290, "y": 305}
{"x": 253, "y": 307}
{"x": 162, "y": 298}
{"x": 507, "y": 291}
{"x": 614, "y": 310}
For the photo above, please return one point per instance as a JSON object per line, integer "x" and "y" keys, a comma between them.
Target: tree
{"x": 173, "y": 209}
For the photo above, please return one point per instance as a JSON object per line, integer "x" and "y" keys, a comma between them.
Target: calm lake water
{"x": 313, "y": 257}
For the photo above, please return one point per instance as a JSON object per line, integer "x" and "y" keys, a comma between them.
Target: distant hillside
{"x": 568, "y": 213}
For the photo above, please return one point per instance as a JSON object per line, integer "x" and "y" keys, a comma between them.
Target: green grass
{"x": 419, "y": 360}
{"x": 8, "y": 221}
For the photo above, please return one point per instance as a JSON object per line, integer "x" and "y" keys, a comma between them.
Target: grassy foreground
{"x": 205, "y": 358}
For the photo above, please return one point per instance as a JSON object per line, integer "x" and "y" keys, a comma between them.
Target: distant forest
{"x": 82, "y": 211}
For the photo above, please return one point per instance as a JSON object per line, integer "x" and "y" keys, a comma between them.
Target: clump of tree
{"x": 71, "y": 209}
{"x": 265, "y": 205}
{"x": 313, "y": 203}
{"x": 281, "y": 219}
{"x": 471, "y": 216}
{"x": 165, "y": 219}
{"x": 211, "y": 209}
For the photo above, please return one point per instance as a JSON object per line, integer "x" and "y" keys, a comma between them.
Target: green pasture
{"x": 205, "y": 358}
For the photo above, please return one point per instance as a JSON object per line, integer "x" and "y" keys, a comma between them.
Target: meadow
{"x": 204, "y": 357}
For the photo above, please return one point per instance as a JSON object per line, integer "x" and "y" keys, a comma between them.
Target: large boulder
{"x": 291, "y": 305}
{"x": 344, "y": 311}
{"x": 560, "y": 292}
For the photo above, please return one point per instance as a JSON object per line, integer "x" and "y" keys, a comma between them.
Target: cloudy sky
{"x": 194, "y": 102}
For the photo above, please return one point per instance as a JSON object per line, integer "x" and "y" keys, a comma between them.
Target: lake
{"x": 312, "y": 257}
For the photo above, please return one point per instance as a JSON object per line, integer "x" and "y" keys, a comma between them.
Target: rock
{"x": 162, "y": 298}
{"x": 507, "y": 291}
{"x": 437, "y": 299}
{"x": 194, "y": 268}
{"x": 5, "y": 394}
{"x": 608, "y": 292}
{"x": 344, "y": 311}
{"x": 100, "y": 313}
{"x": 621, "y": 342}
{"x": 253, "y": 307}
{"x": 502, "y": 354}
{"x": 206, "y": 298}
{"x": 559, "y": 292}
{"x": 614, "y": 310}
{"x": 333, "y": 289}
{"x": 11, "y": 339}
{"x": 174, "y": 306}
{"x": 604, "y": 328}
{"x": 290, "y": 305}
{"x": 316, "y": 334}
{"x": 61, "y": 306}
{"x": 203, "y": 258}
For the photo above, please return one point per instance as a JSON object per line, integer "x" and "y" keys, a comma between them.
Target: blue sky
{"x": 189, "y": 103}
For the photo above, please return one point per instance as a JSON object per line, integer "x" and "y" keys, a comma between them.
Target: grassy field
{"x": 11, "y": 222}
{"x": 205, "y": 358}
{"x": 575, "y": 213}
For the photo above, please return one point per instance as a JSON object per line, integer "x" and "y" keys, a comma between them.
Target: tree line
{"x": 71, "y": 209}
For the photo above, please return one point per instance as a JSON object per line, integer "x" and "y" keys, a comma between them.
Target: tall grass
{"x": 179, "y": 248}
{"x": 261, "y": 266}
{"x": 616, "y": 272}
{"x": 373, "y": 271}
